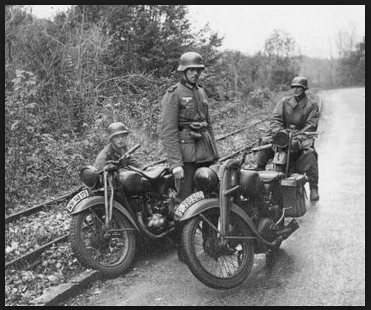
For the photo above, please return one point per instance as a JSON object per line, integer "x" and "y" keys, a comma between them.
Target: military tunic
{"x": 111, "y": 152}
{"x": 183, "y": 104}
{"x": 304, "y": 116}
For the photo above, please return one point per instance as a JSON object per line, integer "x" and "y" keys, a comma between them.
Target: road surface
{"x": 321, "y": 264}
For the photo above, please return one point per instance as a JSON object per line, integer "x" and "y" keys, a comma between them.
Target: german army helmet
{"x": 300, "y": 81}
{"x": 190, "y": 60}
{"x": 116, "y": 129}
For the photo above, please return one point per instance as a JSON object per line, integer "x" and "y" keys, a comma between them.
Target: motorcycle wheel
{"x": 217, "y": 266}
{"x": 111, "y": 254}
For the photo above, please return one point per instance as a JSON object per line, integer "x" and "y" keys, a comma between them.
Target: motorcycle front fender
{"x": 206, "y": 204}
{"x": 94, "y": 200}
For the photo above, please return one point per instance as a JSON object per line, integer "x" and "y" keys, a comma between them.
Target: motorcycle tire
{"x": 214, "y": 265}
{"x": 112, "y": 254}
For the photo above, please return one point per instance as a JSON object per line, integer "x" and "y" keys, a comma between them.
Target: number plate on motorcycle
{"x": 190, "y": 200}
{"x": 76, "y": 199}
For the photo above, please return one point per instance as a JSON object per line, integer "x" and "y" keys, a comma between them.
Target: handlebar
{"x": 308, "y": 133}
{"x": 112, "y": 164}
{"x": 132, "y": 150}
{"x": 262, "y": 147}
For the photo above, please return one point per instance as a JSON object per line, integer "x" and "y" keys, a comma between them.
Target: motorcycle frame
{"x": 228, "y": 171}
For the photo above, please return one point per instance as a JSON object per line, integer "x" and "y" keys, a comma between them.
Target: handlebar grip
{"x": 262, "y": 147}
{"x": 310, "y": 133}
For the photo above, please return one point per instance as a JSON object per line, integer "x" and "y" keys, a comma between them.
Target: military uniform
{"x": 183, "y": 107}
{"x": 304, "y": 116}
{"x": 111, "y": 152}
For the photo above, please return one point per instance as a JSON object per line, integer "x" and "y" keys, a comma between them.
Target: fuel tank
{"x": 133, "y": 183}
{"x": 250, "y": 183}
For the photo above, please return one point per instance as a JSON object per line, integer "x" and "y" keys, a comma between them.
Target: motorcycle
{"x": 116, "y": 206}
{"x": 237, "y": 213}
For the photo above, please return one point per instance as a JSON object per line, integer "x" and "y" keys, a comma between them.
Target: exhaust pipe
{"x": 288, "y": 230}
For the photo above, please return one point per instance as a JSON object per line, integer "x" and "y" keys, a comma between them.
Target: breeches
{"x": 306, "y": 161}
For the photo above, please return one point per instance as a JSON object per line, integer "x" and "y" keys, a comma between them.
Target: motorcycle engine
{"x": 157, "y": 221}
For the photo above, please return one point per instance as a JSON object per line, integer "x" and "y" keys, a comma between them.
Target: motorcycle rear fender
{"x": 94, "y": 200}
{"x": 206, "y": 204}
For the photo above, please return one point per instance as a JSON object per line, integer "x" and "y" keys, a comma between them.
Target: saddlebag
{"x": 293, "y": 193}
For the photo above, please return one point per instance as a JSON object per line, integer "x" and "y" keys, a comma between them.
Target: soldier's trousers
{"x": 305, "y": 161}
{"x": 185, "y": 187}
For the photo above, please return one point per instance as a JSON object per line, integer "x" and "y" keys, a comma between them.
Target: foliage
{"x": 143, "y": 38}
{"x": 67, "y": 79}
{"x": 283, "y": 66}
{"x": 352, "y": 66}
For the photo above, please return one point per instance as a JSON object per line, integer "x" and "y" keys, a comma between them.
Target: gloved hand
{"x": 178, "y": 172}
{"x": 124, "y": 161}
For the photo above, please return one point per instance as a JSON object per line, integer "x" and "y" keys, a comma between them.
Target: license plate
{"x": 76, "y": 199}
{"x": 186, "y": 203}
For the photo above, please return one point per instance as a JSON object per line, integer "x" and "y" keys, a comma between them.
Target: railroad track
{"x": 29, "y": 257}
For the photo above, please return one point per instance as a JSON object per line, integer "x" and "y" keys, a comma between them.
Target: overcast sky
{"x": 246, "y": 27}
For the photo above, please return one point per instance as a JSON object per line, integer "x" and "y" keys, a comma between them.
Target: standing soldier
{"x": 186, "y": 132}
{"x": 301, "y": 113}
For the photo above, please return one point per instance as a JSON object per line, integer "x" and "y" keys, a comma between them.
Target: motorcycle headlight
{"x": 89, "y": 176}
{"x": 281, "y": 139}
{"x": 205, "y": 179}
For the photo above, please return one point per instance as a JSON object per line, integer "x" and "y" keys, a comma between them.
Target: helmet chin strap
{"x": 184, "y": 77}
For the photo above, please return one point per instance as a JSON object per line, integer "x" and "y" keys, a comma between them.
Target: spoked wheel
{"x": 111, "y": 252}
{"x": 216, "y": 264}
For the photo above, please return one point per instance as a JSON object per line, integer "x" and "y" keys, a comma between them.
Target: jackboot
{"x": 314, "y": 196}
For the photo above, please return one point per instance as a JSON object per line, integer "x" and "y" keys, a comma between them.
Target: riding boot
{"x": 177, "y": 239}
{"x": 181, "y": 256}
{"x": 314, "y": 193}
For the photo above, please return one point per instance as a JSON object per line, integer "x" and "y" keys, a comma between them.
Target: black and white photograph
{"x": 185, "y": 155}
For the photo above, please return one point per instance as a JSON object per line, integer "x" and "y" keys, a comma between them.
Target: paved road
{"x": 321, "y": 264}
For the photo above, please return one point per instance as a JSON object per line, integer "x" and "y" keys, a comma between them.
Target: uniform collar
{"x": 300, "y": 98}
{"x": 301, "y": 102}
{"x": 186, "y": 84}
{"x": 115, "y": 149}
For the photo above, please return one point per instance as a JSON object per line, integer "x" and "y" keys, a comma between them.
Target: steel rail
{"x": 14, "y": 217}
{"x": 33, "y": 254}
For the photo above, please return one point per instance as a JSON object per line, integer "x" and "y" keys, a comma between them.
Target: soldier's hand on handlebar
{"x": 124, "y": 161}
{"x": 111, "y": 165}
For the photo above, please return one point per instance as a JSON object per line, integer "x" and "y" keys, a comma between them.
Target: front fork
{"x": 108, "y": 198}
{"x": 226, "y": 193}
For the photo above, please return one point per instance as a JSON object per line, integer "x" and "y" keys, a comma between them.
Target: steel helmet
{"x": 190, "y": 60}
{"x": 300, "y": 81}
{"x": 116, "y": 129}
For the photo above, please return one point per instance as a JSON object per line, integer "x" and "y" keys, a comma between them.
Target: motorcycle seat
{"x": 154, "y": 173}
{"x": 270, "y": 176}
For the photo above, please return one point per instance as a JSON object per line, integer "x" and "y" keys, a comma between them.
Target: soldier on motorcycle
{"x": 117, "y": 135}
{"x": 186, "y": 132}
{"x": 300, "y": 113}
